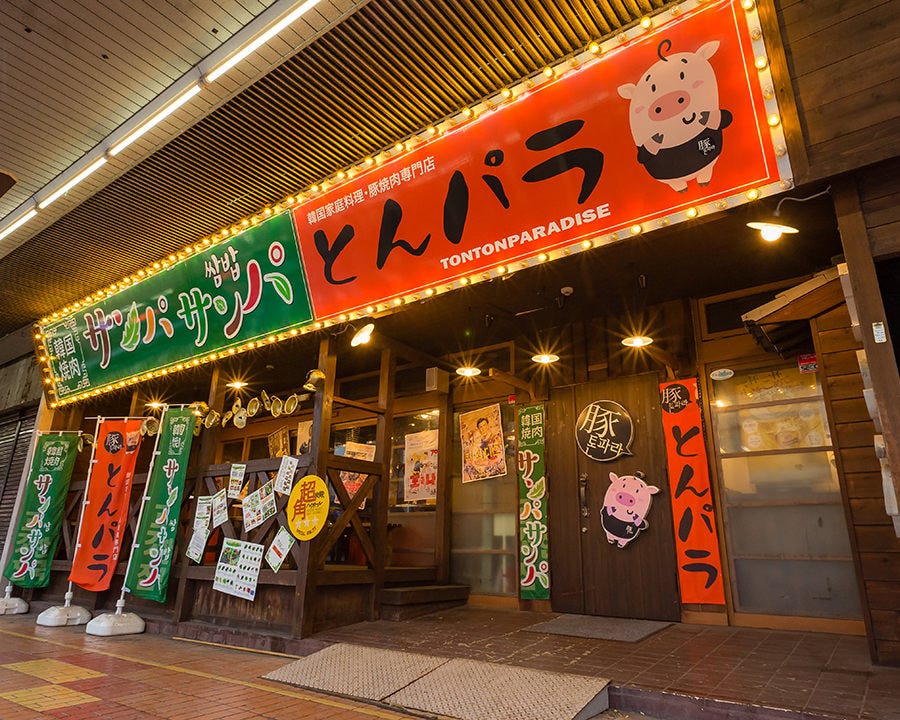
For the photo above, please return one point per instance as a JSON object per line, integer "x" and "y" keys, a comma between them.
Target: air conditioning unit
{"x": 437, "y": 379}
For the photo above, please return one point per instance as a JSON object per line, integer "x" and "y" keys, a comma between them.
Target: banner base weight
{"x": 115, "y": 624}
{"x": 63, "y": 615}
{"x": 12, "y": 606}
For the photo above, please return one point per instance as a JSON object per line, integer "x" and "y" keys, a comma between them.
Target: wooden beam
{"x": 368, "y": 407}
{"x": 412, "y": 354}
{"x": 516, "y": 381}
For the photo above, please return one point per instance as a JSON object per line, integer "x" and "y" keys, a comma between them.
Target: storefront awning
{"x": 782, "y": 325}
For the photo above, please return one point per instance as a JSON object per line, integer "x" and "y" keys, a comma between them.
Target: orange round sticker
{"x": 307, "y": 508}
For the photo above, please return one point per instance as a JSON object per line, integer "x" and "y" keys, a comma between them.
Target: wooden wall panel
{"x": 879, "y": 192}
{"x": 875, "y": 546}
{"x": 842, "y": 61}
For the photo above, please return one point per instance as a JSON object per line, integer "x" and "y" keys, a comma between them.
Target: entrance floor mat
{"x": 450, "y": 688}
{"x": 475, "y": 690}
{"x": 599, "y": 628}
{"x": 356, "y": 671}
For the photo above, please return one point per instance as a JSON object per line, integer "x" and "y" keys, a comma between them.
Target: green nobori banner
{"x": 237, "y": 291}
{"x": 534, "y": 554}
{"x": 151, "y": 560}
{"x": 37, "y": 534}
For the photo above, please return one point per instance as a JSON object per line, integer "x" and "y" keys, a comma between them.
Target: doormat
{"x": 355, "y": 671}
{"x": 599, "y": 628}
{"x": 444, "y": 687}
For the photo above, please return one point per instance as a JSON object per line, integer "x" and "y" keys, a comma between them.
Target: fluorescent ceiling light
{"x": 12, "y": 227}
{"x": 267, "y": 35}
{"x": 156, "y": 119}
{"x": 72, "y": 183}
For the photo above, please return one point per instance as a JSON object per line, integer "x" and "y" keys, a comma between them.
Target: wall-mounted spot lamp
{"x": 772, "y": 228}
{"x": 363, "y": 335}
{"x": 315, "y": 379}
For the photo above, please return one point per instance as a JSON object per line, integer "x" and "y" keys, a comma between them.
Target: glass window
{"x": 483, "y": 540}
{"x": 233, "y": 451}
{"x": 787, "y": 535}
{"x": 412, "y": 496}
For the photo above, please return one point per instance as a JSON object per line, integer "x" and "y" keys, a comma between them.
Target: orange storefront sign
{"x": 672, "y": 120}
{"x": 693, "y": 509}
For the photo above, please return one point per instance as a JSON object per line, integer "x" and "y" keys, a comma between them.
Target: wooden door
{"x": 588, "y": 574}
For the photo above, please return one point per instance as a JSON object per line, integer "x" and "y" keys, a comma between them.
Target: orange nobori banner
{"x": 671, "y": 120}
{"x": 107, "y": 496}
{"x": 696, "y": 535}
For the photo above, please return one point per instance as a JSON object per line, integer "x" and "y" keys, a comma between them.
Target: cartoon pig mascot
{"x": 625, "y": 506}
{"x": 675, "y": 117}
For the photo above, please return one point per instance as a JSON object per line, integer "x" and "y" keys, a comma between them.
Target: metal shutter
{"x": 15, "y": 439}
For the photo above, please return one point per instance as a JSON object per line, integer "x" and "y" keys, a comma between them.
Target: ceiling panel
{"x": 383, "y": 73}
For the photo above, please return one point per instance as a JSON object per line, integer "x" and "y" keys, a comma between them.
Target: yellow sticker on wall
{"x": 307, "y": 508}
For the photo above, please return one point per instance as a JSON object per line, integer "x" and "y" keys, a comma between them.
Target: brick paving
{"x": 683, "y": 671}
{"x": 672, "y": 672}
{"x": 64, "y": 674}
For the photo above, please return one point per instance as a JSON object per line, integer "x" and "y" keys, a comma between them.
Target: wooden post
{"x": 442, "y": 520}
{"x": 185, "y": 595}
{"x": 870, "y": 310}
{"x": 383, "y": 430}
{"x": 320, "y": 440}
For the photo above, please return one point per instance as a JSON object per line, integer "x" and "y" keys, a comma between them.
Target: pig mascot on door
{"x": 625, "y": 507}
{"x": 675, "y": 117}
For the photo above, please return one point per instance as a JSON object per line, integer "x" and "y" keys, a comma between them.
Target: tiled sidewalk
{"x": 683, "y": 671}
{"x": 62, "y": 673}
{"x": 811, "y": 674}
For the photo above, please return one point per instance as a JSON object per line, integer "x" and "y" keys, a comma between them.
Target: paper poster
{"x": 236, "y": 480}
{"x": 197, "y": 544}
{"x": 204, "y": 512}
{"x": 483, "y": 449}
{"x": 219, "y": 508}
{"x": 304, "y": 437}
{"x": 353, "y": 481}
{"x": 420, "y": 457}
{"x": 307, "y": 508}
{"x": 284, "y": 481}
{"x": 258, "y": 506}
{"x": 279, "y": 549}
{"x": 238, "y": 568}
{"x": 280, "y": 442}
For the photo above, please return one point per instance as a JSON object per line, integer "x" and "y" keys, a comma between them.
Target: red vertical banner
{"x": 105, "y": 513}
{"x": 696, "y": 537}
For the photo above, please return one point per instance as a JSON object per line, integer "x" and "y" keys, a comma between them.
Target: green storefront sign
{"x": 37, "y": 534}
{"x": 534, "y": 556}
{"x": 240, "y": 290}
{"x": 151, "y": 560}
